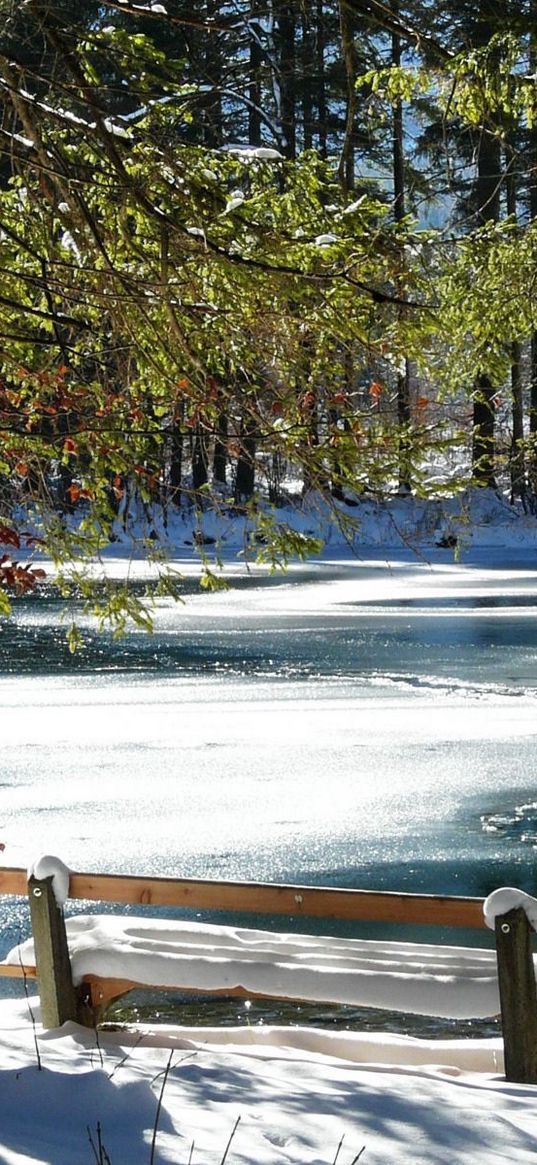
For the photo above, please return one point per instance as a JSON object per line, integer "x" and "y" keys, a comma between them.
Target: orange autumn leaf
{"x": 9, "y": 537}
{"x": 308, "y": 400}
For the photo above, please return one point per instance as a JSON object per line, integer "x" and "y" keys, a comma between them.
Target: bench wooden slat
{"x": 15, "y": 971}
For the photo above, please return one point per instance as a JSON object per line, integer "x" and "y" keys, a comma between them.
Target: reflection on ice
{"x": 282, "y": 733}
{"x": 520, "y": 824}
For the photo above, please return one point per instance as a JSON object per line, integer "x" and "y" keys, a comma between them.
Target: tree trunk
{"x": 320, "y": 85}
{"x": 220, "y": 451}
{"x": 199, "y": 460}
{"x": 212, "y": 133}
{"x": 532, "y": 457}
{"x": 517, "y": 459}
{"x": 346, "y": 161}
{"x": 245, "y": 475}
{"x": 307, "y": 55}
{"x": 176, "y": 460}
{"x": 284, "y": 35}
{"x": 399, "y": 210}
{"x": 488, "y": 210}
{"x": 254, "y": 93}
{"x": 483, "y": 437}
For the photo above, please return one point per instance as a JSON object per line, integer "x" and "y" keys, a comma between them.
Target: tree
{"x": 140, "y": 270}
{"x": 174, "y": 299}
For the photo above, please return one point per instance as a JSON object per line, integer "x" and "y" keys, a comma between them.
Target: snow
{"x": 234, "y": 202}
{"x": 113, "y": 127}
{"x": 475, "y": 521}
{"x": 297, "y": 1091}
{"x": 447, "y": 732}
{"x": 424, "y": 979}
{"x": 18, "y": 137}
{"x": 507, "y": 898}
{"x": 299, "y": 1095}
{"x": 353, "y": 206}
{"x": 68, "y": 242}
{"x": 247, "y": 153}
{"x": 48, "y": 866}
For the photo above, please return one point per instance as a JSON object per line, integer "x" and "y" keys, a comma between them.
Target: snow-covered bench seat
{"x": 116, "y": 953}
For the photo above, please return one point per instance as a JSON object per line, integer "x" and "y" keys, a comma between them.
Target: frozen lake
{"x": 354, "y": 723}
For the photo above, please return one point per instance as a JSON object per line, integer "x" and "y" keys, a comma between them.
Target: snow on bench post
{"x": 56, "y": 991}
{"x": 518, "y": 998}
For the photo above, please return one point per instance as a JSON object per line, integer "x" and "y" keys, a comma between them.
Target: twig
{"x": 99, "y": 1151}
{"x": 98, "y": 1043}
{"x": 338, "y": 1148}
{"x": 233, "y": 1131}
{"x": 188, "y": 1056}
{"x": 92, "y": 1143}
{"x": 29, "y": 1006}
{"x": 126, "y": 1057}
{"x": 159, "y": 1106}
{"x": 103, "y": 1155}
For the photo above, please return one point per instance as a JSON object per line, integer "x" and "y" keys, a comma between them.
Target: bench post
{"x": 56, "y": 991}
{"x": 518, "y": 997}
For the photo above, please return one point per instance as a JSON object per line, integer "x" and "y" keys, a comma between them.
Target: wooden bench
{"x": 62, "y": 1000}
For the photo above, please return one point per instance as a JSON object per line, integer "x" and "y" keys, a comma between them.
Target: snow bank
{"x": 475, "y": 519}
{"x": 299, "y": 1095}
{"x": 355, "y": 1047}
{"x": 452, "y": 982}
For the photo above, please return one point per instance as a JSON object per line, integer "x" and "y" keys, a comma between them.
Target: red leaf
{"x": 9, "y": 537}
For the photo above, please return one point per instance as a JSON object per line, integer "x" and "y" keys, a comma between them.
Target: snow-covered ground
{"x": 475, "y": 519}
{"x": 297, "y": 1091}
{"x": 300, "y": 1094}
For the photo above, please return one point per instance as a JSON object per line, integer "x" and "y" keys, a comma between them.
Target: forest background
{"x": 249, "y": 247}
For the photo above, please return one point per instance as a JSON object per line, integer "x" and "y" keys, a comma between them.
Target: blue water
{"x": 369, "y": 742}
